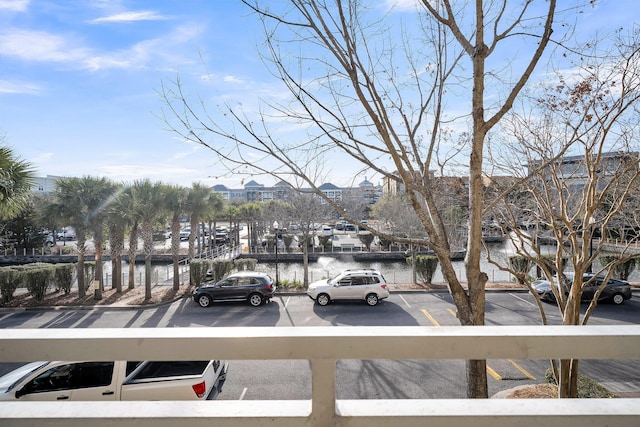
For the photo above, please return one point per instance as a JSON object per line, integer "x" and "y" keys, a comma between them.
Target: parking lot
{"x": 256, "y": 379}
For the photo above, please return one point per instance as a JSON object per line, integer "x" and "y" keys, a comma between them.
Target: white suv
{"x": 361, "y": 284}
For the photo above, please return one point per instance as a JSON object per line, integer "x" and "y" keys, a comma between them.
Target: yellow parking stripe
{"x": 493, "y": 373}
{"x": 490, "y": 370}
{"x": 521, "y": 369}
{"x": 426, "y": 313}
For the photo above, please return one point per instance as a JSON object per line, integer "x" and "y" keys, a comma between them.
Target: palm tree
{"x": 195, "y": 206}
{"x": 119, "y": 217}
{"x": 126, "y": 207}
{"x": 81, "y": 203}
{"x": 174, "y": 202}
{"x": 16, "y": 180}
{"x": 149, "y": 202}
{"x": 211, "y": 213}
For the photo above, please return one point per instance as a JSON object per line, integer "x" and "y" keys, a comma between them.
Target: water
{"x": 401, "y": 272}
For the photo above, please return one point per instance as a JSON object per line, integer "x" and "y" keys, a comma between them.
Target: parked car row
{"x": 616, "y": 291}
{"x": 370, "y": 286}
{"x": 257, "y": 288}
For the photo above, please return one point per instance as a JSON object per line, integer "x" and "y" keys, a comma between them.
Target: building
{"x": 46, "y": 184}
{"x": 282, "y": 191}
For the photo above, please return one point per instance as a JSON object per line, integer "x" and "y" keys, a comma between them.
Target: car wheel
{"x": 323, "y": 299}
{"x": 204, "y": 300}
{"x": 617, "y": 298}
{"x": 255, "y": 300}
{"x": 372, "y": 299}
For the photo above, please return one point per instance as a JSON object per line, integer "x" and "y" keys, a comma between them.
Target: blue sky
{"x": 79, "y": 80}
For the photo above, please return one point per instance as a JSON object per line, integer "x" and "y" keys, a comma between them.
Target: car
{"x": 359, "y": 284}
{"x": 185, "y": 233}
{"x": 616, "y": 290}
{"x": 349, "y": 227}
{"x": 251, "y": 286}
{"x": 326, "y": 230}
{"x": 66, "y": 234}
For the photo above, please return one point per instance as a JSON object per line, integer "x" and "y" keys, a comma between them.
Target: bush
{"x": 290, "y": 284}
{"x": 245, "y": 264}
{"x": 63, "y": 277}
{"x": 198, "y": 269}
{"x": 220, "y": 268}
{"x": 37, "y": 277}
{"x": 8, "y": 283}
{"x": 622, "y": 270}
{"x": 587, "y": 388}
{"x": 426, "y": 266}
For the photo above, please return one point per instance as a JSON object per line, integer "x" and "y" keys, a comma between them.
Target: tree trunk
{"x": 175, "y": 251}
{"x": 147, "y": 238}
{"x": 82, "y": 287}
{"x": 133, "y": 248}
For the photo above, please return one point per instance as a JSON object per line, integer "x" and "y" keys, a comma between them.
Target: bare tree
{"x": 375, "y": 88}
{"x": 307, "y": 209}
{"x": 582, "y": 151}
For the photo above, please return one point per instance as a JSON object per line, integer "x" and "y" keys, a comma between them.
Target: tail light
{"x": 384, "y": 286}
{"x": 268, "y": 286}
{"x": 200, "y": 389}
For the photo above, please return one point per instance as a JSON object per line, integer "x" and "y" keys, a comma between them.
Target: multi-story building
{"x": 255, "y": 192}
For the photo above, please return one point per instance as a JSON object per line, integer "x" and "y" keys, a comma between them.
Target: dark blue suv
{"x": 250, "y": 286}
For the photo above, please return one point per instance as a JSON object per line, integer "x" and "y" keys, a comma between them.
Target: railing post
{"x": 323, "y": 392}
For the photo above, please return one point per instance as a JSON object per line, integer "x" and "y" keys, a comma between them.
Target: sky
{"x": 80, "y": 81}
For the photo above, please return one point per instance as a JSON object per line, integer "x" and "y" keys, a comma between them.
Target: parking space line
{"x": 244, "y": 391}
{"x": 405, "y": 301}
{"x": 490, "y": 370}
{"x": 521, "y": 299}
{"x": 521, "y": 369}
{"x": 493, "y": 373}
{"x": 434, "y": 321}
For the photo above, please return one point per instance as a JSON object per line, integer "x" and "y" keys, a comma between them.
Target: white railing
{"x": 323, "y": 346}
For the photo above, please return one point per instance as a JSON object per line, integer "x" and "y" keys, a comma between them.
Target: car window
{"x": 359, "y": 280}
{"x": 231, "y": 281}
{"x": 57, "y": 378}
{"x": 243, "y": 281}
{"x": 92, "y": 374}
{"x": 345, "y": 281}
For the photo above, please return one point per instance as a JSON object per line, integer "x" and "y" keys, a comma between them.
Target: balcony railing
{"x": 323, "y": 346}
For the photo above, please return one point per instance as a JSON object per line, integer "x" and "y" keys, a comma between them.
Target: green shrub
{"x": 63, "y": 277}
{"x": 198, "y": 269}
{"x": 245, "y": 264}
{"x": 426, "y": 266}
{"x": 37, "y": 277}
{"x": 623, "y": 269}
{"x": 220, "y": 268}
{"x": 587, "y": 388}
{"x": 8, "y": 283}
{"x": 290, "y": 284}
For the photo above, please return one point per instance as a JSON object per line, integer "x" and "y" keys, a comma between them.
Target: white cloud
{"x": 19, "y": 87}
{"x": 232, "y": 79}
{"x": 131, "y": 16}
{"x": 14, "y": 5}
{"x": 39, "y": 46}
